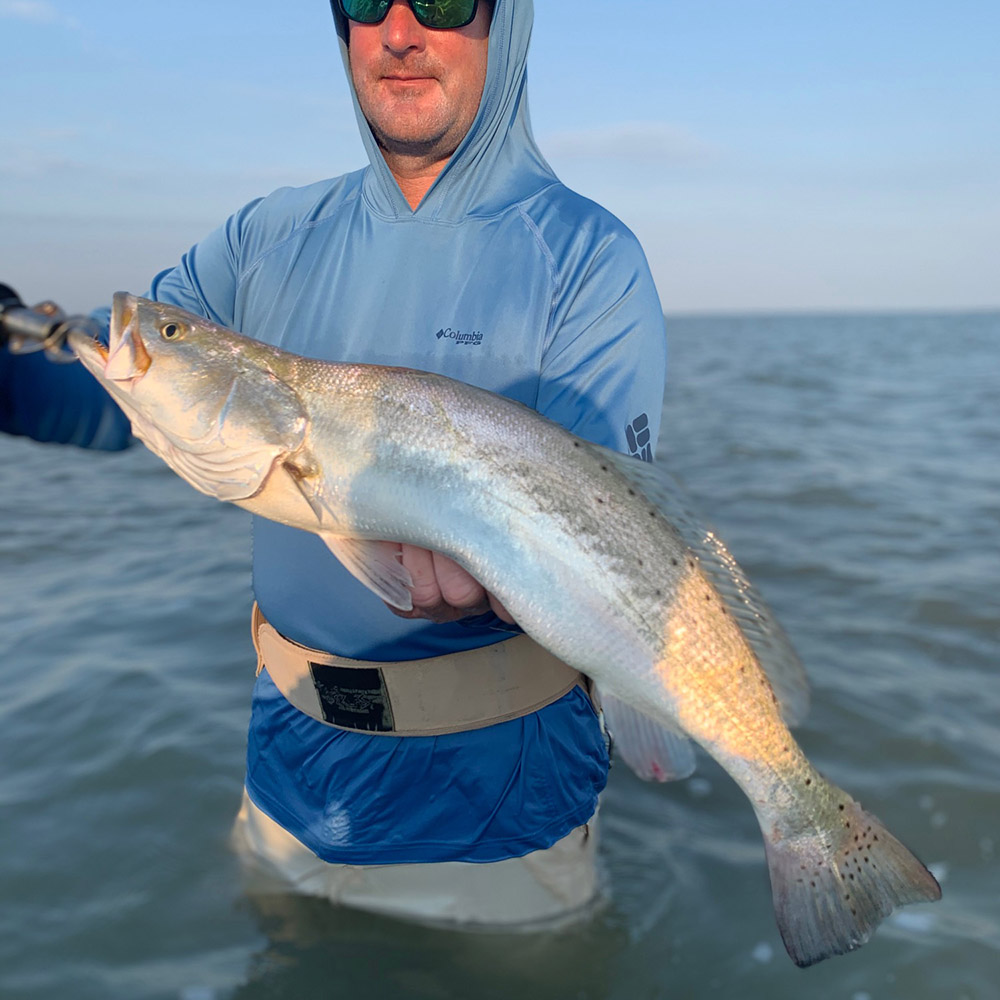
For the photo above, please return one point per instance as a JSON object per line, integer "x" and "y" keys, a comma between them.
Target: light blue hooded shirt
{"x": 504, "y": 278}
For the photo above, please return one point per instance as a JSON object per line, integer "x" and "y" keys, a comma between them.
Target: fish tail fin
{"x": 833, "y": 887}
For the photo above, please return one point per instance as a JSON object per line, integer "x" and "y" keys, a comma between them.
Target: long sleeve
{"x": 58, "y": 403}
{"x": 604, "y": 369}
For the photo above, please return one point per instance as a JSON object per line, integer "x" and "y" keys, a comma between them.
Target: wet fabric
{"x": 495, "y": 793}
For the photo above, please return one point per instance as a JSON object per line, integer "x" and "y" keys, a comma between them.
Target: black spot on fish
{"x": 631, "y": 493}
{"x": 604, "y": 468}
{"x": 673, "y": 562}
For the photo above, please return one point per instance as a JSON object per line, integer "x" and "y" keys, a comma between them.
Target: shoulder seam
{"x": 550, "y": 263}
{"x": 246, "y": 272}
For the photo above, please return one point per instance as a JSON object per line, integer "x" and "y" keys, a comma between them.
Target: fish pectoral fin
{"x": 377, "y": 565}
{"x": 767, "y": 638}
{"x": 653, "y": 750}
{"x": 303, "y": 471}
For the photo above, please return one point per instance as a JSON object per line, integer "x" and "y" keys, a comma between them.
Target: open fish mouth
{"x": 124, "y": 342}
{"x": 126, "y": 359}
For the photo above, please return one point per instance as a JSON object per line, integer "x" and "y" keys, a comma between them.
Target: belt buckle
{"x": 353, "y": 697}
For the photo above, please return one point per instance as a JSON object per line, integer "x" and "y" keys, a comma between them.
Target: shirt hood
{"x": 497, "y": 163}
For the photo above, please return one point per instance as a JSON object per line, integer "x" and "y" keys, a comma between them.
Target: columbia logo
{"x": 638, "y": 437}
{"x": 475, "y": 338}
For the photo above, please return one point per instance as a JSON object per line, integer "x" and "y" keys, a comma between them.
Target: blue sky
{"x": 800, "y": 155}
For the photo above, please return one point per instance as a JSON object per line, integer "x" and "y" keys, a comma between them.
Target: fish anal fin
{"x": 377, "y": 565}
{"x": 652, "y": 750}
{"x": 831, "y": 890}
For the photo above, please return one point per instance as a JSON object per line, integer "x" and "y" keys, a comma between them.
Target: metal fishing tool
{"x": 44, "y": 327}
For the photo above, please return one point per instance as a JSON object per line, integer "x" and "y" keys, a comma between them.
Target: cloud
{"x": 36, "y": 12}
{"x": 653, "y": 143}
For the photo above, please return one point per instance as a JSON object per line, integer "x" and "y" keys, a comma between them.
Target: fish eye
{"x": 170, "y": 331}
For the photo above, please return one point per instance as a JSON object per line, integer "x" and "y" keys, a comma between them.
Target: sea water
{"x": 853, "y": 465}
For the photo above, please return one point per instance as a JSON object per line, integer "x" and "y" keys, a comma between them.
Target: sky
{"x": 802, "y": 155}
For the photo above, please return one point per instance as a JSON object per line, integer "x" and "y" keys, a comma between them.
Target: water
{"x": 852, "y": 465}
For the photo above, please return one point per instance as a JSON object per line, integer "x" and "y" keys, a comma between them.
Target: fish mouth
{"x": 126, "y": 359}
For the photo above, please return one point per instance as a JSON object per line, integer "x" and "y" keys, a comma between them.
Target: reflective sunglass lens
{"x": 430, "y": 13}
{"x": 365, "y": 11}
{"x": 444, "y": 13}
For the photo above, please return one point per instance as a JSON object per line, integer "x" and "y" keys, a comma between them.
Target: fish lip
{"x": 85, "y": 342}
{"x": 123, "y": 309}
{"x": 126, "y": 359}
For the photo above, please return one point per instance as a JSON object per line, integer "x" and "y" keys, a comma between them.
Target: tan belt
{"x": 442, "y": 694}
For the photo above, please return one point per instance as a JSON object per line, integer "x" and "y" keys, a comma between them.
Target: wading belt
{"x": 443, "y": 694}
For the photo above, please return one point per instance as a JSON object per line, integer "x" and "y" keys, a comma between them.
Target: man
{"x": 456, "y": 250}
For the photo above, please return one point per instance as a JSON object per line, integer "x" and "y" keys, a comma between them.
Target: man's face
{"x": 419, "y": 87}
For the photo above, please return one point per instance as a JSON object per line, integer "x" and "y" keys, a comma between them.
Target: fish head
{"x": 209, "y": 401}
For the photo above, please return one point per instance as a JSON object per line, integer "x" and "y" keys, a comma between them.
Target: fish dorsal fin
{"x": 766, "y": 637}
{"x": 653, "y": 751}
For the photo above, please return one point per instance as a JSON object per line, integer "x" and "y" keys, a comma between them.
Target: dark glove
{"x": 60, "y": 403}
{"x": 42, "y": 328}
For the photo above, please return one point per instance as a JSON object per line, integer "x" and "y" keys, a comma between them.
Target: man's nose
{"x": 401, "y": 31}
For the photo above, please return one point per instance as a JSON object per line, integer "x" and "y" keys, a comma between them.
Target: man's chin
{"x": 415, "y": 135}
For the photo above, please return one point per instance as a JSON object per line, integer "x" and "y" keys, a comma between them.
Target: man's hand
{"x": 443, "y": 591}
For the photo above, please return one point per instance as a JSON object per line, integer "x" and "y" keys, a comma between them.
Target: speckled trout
{"x": 589, "y": 550}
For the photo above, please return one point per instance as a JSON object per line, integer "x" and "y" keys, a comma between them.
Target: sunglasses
{"x": 430, "y": 13}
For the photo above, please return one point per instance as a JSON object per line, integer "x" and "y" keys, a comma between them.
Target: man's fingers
{"x": 458, "y": 589}
{"x": 425, "y": 590}
{"x": 442, "y": 591}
